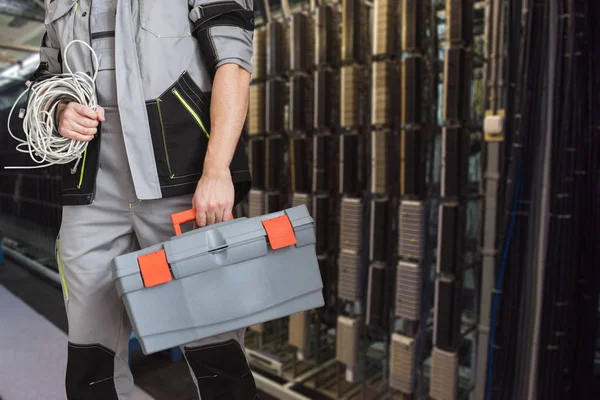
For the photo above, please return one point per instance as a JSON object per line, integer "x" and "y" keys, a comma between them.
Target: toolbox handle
{"x": 185, "y": 217}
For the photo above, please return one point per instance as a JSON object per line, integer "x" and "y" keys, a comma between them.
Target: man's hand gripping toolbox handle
{"x": 184, "y": 217}
{"x": 279, "y": 229}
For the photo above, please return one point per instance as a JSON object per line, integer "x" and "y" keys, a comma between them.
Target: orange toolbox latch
{"x": 279, "y": 232}
{"x": 155, "y": 269}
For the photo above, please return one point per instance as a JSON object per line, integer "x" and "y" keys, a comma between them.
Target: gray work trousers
{"x": 91, "y": 236}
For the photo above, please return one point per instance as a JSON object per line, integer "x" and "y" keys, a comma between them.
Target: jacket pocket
{"x": 165, "y": 22}
{"x": 179, "y": 125}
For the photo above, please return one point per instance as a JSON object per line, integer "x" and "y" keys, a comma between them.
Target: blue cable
{"x": 511, "y": 229}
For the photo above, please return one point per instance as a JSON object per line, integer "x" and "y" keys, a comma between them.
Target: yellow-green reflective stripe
{"x": 191, "y": 111}
{"x": 74, "y": 17}
{"x": 100, "y": 381}
{"x": 82, "y": 169}
{"x": 62, "y": 273}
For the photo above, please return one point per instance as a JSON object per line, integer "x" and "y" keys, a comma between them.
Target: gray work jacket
{"x": 166, "y": 54}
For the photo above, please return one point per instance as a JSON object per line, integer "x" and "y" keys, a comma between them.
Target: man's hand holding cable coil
{"x": 77, "y": 121}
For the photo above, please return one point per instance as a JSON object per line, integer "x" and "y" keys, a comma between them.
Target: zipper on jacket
{"x": 162, "y": 132}
{"x": 82, "y": 170}
{"x": 93, "y": 194}
{"x": 191, "y": 111}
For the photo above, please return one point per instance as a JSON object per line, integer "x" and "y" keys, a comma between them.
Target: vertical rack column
{"x": 300, "y": 128}
{"x": 452, "y": 217}
{"x": 267, "y": 125}
{"x": 353, "y": 122}
{"x": 276, "y": 181}
{"x": 381, "y": 185}
{"x": 411, "y": 222}
{"x": 324, "y": 149}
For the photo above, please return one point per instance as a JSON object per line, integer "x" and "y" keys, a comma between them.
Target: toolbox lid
{"x": 223, "y": 236}
{"x": 214, "y": 246}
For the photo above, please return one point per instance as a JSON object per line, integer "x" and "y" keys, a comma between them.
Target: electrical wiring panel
{"x": 324, "y": 101}
{"x": 444, "y": 375}
{"x": 377, "y": 309}
{"x": 319, "y": 162}
{"x": 264, "y": 360}
{"x": 299, "y": 333}
{"x": 320, "y": 215}
{"x": 256, "y": 109}
{"x": 351, "y": 223}
{"x": 352, "y": 30}
{"x": 451, "y": 232}
{"x": 274, "y": 147}
{"x": 350, "y": 113}
{"x": 412, "y": 28}
{"x": 277, "y": 51}
{"x": 329, "y": 276}
{"x": 402, "y": 359}
{"x": 349, "y": 275}
{"x": 384, "y": 27}
{"x": 446, "y": 329}
{"x": 456, "y": 105}
{"x": 459, "y": 14}
{"x": 256, "y": 155}
{"x": 326, "y": 38}
{"x": 302, "y": 199}
{"x": 301, "y": 98}
{"x": 259, "y": 54}
{"x": 411, "y": 95}
{"x": 275, "y": 114}
{"x": 300, "y": 173}
{"x": 455, "y": 162}
{"x": 379, "y": 229}
{"x": 349, "y": 165}
{"x": 408, "y": 290}
{"x": 301, "y": 42}
{"x": 411, "y": 234}
{"x": 412, "y": 163}
{"x": 273, "y": 201}
{"x": 257, "y": 203}
{"x": 382, "y": 88}
{"x": 347, "y": 340}
{"x": 382, "y": 161}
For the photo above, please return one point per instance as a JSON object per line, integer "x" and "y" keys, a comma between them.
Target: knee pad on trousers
{"x": 222, "y": 371}
{"x": 90, "y": 372}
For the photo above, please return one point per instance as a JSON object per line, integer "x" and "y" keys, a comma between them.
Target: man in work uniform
{"x": 173, "y": 81}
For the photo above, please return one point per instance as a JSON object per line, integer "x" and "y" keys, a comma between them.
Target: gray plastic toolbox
{"x": 220, "y": 278}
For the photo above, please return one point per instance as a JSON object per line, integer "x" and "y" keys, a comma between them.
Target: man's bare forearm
{"x": 228, "y": 109}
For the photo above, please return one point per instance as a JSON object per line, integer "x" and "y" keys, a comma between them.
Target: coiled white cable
{"x": 43, "y": 142}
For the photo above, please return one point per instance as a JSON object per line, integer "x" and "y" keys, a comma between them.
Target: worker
{"x": 172, "y": 89}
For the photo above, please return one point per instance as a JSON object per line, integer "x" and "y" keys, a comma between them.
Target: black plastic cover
{"x": 256, "y": 149}
{"x": 447, "y": 332}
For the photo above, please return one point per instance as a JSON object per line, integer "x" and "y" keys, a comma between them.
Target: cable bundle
{"x": 43, "y": 143}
